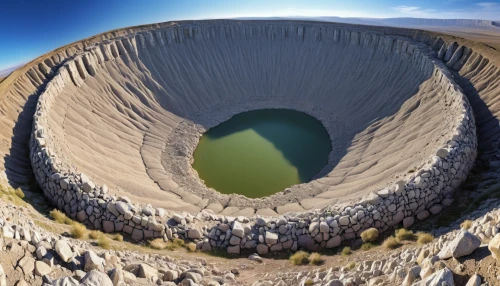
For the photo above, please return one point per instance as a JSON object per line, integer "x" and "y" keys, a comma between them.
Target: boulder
{"x": 146, "y": 271}
{"x": 63, "y": 250}
{"x": 494, "y": 247}
{"x": 475, "y": 280}
{"x": 194, "y": 234}
{"x": 271, "y": 238}
{"x": 96, "y": 278}
{"x": 440, "y": 278}
{"x": 42, "y": 268}
{"x": 116, "y": 276}
{"x": 65, "y": 281}
{"x": 93, "y": 261}
{"x": 464, "y": 244}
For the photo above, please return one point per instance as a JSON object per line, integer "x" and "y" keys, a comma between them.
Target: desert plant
{"x": 367, "y": 246}
{"x": 95, "y": 234}
{"x": 78, "y": 230}
{"x": 60, "y": 217}
{"x": 404, "y": 234}
{"x": 466, "y": 224}
{"x": 158, "y": 244}
{"x": 299, "y": 258}
{"x": 309, "y": 282}
{"x": 346, "y": 251}
{"x": 370, "y": 235}
{"x": 391, "y": 243}
{"x": 117, "y": 237}
{"x": 424, "y": 238}
{"x": 104, "y": 242}
{"x": 315, "y": 259}
{"x": 191, "y": 247}
{"x": 350, "y": 266}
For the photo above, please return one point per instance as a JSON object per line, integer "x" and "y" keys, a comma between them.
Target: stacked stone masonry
{"x": 424, "y": 193}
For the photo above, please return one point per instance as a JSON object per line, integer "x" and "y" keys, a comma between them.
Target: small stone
{"x": 255, "y": 257}
{"x": 41, "y": 268}
{"x": 271, "y": 238}
{"x": 96, "y": 278}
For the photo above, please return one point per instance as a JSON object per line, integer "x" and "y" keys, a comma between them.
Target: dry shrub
{"x": 95, "y": 234}
{"x": 391, "y": 243}
{"x": 466, "y": 224}
{"x": 346, "y": 251}
{"x": 350, "y": 266}
{"x": 299, "y": 258}
{"x": 176, "y": 243}
{"x": 424, "y": 238}
{"x": 117, "y": 237}
{"x": 370, "y": 235}
{"x": 60, "y": 217}
{"x": 367, "y": 246}
{"x": 315, "y": 259}
{"x": 404, "y": 234}
{"x": 78, "y": 230}
{"x": 104, "y": 242}
{"x": 158, "y": 244}
{"x": 191, "y": 247}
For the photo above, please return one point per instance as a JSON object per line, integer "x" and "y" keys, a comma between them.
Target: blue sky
{"x": 30, "y": 28}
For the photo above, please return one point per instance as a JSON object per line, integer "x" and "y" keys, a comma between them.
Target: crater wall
{"x": 128, "y": 113}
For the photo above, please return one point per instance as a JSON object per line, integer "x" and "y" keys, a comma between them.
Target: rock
{"x": 494, "y": 247}
{"x": 63, "y": 250}
{"x": 464, "y": 244}
{"x": 65, "y": 281}
{"x": 21, "y": 282}
{"x": 262, "y": 249}
{"x": 271, "y": 238}
{"x": 93, "y": 262}
{"x": 41, "y": 268}
{"x": 146, "y": 271}
{"x": 407, "y": 222}
{"x": 3, "y": 277}
{"x": 96, "y": 278}
{"x": 255, "y": 257}
{"x": 27, "y": 264}
{"x": 238, "y": 230}
{"x": 193, "y": 276}
{"x": 475, "y": 280}
{"x": 194, "y": 234}
{"x": 233, "y": 249}
{"x": 440, "y": 278}
{"x": 170, "y": 275}
{"x": 334, "y": 242}
{"x": 116, "y": 276}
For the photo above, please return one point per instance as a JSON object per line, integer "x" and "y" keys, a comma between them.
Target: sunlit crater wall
{"x": 119, "y": 103}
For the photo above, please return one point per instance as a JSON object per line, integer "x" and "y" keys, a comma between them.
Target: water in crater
{"x": 261, "y": 152}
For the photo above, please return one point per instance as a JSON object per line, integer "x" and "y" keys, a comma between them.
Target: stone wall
{"x": 423, "y": 193}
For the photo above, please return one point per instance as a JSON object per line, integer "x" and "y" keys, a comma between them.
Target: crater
{"x": 261, "y": 152}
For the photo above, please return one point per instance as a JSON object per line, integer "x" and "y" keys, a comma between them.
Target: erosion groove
{"x": 119, "y": 116}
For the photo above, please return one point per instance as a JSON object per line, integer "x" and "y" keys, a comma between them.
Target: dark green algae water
{"x": 261, "y": 152}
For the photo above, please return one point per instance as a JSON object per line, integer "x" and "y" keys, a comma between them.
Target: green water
{"x": 259, "y": 153}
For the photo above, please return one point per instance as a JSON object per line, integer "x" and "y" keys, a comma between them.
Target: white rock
{"x": 96, "y": 278}
{"x": 62, "y": 248}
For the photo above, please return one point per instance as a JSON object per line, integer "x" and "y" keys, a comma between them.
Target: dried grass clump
{"x": 350, "y": 266}
{"x": 391, "y": 243}
{"x": 95, "y": 234}
{"x": 299, "y": 258}
{"x": 191, "y": 247}
{"x": 60, "y": 217}
{"x": 117, "y": 237}
{"x": 424, "y": 238}
{"x": 370, "y": 235}
{"x": 78, "y": 230}
{"x": 104, "y": 242}
{"x": 315, "y": 259}
{"x": 466, "y": 224}
{"x": 404, "y": 234}
{"x": 158, "y": 244}
{"x": 346, "y": 251}
{"x": 367, "y": 246}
